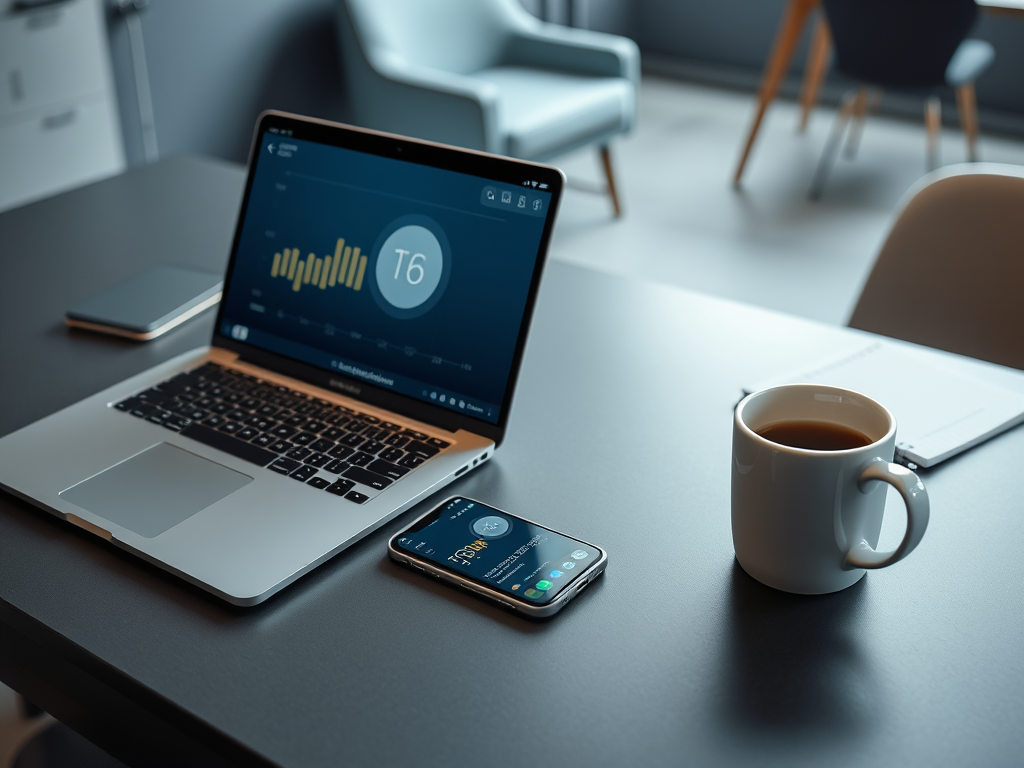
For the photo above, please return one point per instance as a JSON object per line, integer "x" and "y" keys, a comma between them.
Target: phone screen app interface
{"x": 408, "y": 277}
{"x": 504, "y": 552}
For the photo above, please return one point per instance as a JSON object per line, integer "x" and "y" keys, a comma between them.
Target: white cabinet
{"x": 59, "y": 125}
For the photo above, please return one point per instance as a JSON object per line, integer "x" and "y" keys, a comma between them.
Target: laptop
{"x": 375, "y": 309}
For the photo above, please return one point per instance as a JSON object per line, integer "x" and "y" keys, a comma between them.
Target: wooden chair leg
{"x": 786, "y": 39}
{"x": 860, "y": 112}
{"x": 932, "y": 122}
{"x": 967, "y": 106}
{"x": 606, "y": 160}
{"x": 817, "y": 67}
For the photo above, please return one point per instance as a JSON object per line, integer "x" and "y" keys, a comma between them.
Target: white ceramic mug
{"x": 808, "y": 521}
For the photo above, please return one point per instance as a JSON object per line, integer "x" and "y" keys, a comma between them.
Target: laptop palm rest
{"x": 156, "y": 489}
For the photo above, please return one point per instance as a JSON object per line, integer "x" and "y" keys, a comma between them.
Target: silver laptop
{"x": 365, "y": 353}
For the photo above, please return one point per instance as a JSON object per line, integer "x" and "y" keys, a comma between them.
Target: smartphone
{"x": 149, "y": 304}
{"x": 518, "y": 563}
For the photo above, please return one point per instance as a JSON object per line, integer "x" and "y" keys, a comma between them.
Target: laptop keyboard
{"x": 339, "y": 450}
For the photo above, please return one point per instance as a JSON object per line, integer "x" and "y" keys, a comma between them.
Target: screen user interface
{"x": 504, "y": 552}
{"x": 400, "y": 275}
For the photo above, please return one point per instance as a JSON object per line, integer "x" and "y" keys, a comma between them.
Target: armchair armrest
{"x": 573, "y": 50}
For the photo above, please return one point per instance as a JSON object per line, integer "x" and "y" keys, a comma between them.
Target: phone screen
{"x": 505, "y": 552}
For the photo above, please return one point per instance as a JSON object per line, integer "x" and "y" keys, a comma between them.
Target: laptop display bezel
{"x": 488, "y": 168}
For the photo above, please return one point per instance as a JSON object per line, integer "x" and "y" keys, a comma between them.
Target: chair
{"x": 951, "y": 272}
{"x": 916, "y": 45}
{"x": 487, "y": 75}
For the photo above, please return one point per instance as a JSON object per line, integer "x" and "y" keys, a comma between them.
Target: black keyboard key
{"x": 285, "y": 466}
{"x": 337, "y": 466}
{"x": 355, "y": 426}
{"x": 334, "y": 433}
{"x": 374, "y": 433}
{"x": 142, "y": 410}
{"x": 228, "y": 444}
{"x": 415, "y": 446}
{"x": 192, "y": 413}
{"x": 341, "y": 451}
{"x": 260, "y": 422}
{"x": 280, "y": 446}
{"x": 231, "y": 427}
{"x": 341, "y": 487}
{"x": 392, "y": 454}
{"x": 353, "y": 441}
{"x": 356, "y": 496}
{"x": 438, "y": 443}
{"x": 318, "y": 459}
{"x": 235, "y": 397}
{"x": 390, "y": 426}
{"x": 415, "y": 435}
{"x": 387, "y": 469}
{"x": 126, "y": 405}
{"x": 303, "y": 473}
{"x": 372, "y": 446}
{"x": 397, "y": 441}
{"x": 236, "y": 414}
{"x": 153, "y": 397}
{"x": 319, "y": 482}
{"x": 264, "y": 441}
{"x": 220, "y": 408}
{"x": 321, "y": 445}
{"x": 369, "y": 419}
{"x": 215, "y": 421}
{"x": 303, "y": 438}
{"x": 366, "y": 477}
{"x": 315, "y": 426}
{"x": 412, "y": 461}
{"x": 267, "y": 410}
{"x": 247, "y": 433}
{"x": 298, "y": 453}
{"x": 360, "y": 459}
{"x": 176, "y": 423}
{"x": 158, "y": 416}
{"x": 251, "y": 403}
{"x": 283, "y": 431}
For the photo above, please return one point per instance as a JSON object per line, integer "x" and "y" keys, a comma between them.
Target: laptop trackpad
{"x": 156, "y": 489}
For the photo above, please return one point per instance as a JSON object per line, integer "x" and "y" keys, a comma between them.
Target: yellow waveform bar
{"x": 346, "y": 267}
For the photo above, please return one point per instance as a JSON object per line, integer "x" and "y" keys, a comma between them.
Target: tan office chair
{"x": 951, "y": 272}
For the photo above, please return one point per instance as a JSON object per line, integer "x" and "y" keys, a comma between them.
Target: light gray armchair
{"x": 487, "y": 75}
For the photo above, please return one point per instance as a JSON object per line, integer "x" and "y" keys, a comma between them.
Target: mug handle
{"x": 910, "y": 487}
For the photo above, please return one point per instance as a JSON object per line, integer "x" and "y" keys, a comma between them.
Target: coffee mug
{"x": 810, "y": 467}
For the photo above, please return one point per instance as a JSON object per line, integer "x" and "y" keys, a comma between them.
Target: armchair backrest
{"x": 898, "y": 43}
{"x": 459, "y": 36}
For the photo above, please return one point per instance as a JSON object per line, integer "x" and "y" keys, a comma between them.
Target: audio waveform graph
{"x": 345, "y": 268}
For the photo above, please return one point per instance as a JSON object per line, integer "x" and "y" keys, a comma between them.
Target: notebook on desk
{"x": 941, "y": 408}
{"x": 365, "y": 354}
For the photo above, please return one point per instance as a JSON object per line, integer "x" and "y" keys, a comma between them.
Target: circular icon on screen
{"x": 491, "y": 527}
{"x": 411, "y": 265}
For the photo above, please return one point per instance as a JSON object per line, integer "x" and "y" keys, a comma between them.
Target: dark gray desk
{"x": 621, "y": 434}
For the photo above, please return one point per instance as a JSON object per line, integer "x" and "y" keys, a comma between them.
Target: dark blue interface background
{"x": 516, "y": 557}
{"x": 408, "y": 277}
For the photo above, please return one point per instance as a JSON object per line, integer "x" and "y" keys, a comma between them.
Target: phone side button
{"x": 507, "y": 604}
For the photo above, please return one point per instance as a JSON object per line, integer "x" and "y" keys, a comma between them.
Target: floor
{"x": 686, "y": 225}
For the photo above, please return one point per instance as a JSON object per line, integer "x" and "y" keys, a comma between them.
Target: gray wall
{"x": 215, "y": 64}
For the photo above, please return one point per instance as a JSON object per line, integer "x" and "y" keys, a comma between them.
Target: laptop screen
{"x": 406, "y": 276}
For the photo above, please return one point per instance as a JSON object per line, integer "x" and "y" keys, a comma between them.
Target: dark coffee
{"x": 814, "y": 435}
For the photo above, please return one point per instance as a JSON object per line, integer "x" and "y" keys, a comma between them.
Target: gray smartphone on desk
{"x": 148, "y": 304}
{"x": 515, "y": 562}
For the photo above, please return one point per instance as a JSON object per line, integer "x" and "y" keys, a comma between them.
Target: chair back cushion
{"x": 898, "y": 43}
{"x": 951, "y": 272}
{"x": 460, "y": 36}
